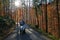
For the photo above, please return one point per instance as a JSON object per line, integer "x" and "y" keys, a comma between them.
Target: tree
{"x": 37, "y": 4}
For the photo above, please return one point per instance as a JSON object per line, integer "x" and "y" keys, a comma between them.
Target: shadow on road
{"x": 25, "y": 37}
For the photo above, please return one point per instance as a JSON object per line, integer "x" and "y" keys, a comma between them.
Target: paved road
{"x": 29, "y": 35}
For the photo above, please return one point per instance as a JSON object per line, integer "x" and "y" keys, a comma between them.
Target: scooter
{"x": 22, "y": 30}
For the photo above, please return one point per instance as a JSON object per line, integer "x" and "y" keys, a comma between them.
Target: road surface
{"x": 29, "y": 35}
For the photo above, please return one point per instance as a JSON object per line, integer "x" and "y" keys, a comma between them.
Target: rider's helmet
{"x": 22, "y": 22}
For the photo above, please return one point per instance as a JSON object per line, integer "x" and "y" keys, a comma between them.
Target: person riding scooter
{"x": 22, "y": 27}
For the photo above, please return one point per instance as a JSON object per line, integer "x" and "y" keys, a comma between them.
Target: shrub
{"x": 5, "y": 24}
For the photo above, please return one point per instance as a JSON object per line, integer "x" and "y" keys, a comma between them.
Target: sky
{"x": 17, "y": 3}
{"x": 27, "y": 3}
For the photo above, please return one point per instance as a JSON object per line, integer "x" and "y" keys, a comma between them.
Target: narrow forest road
{"x": 29, "y": 35}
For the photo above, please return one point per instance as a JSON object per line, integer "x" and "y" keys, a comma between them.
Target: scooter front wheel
{"x": 24, "y": 31}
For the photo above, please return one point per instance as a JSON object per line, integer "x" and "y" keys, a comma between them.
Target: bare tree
{"x": 37, "y": 4}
